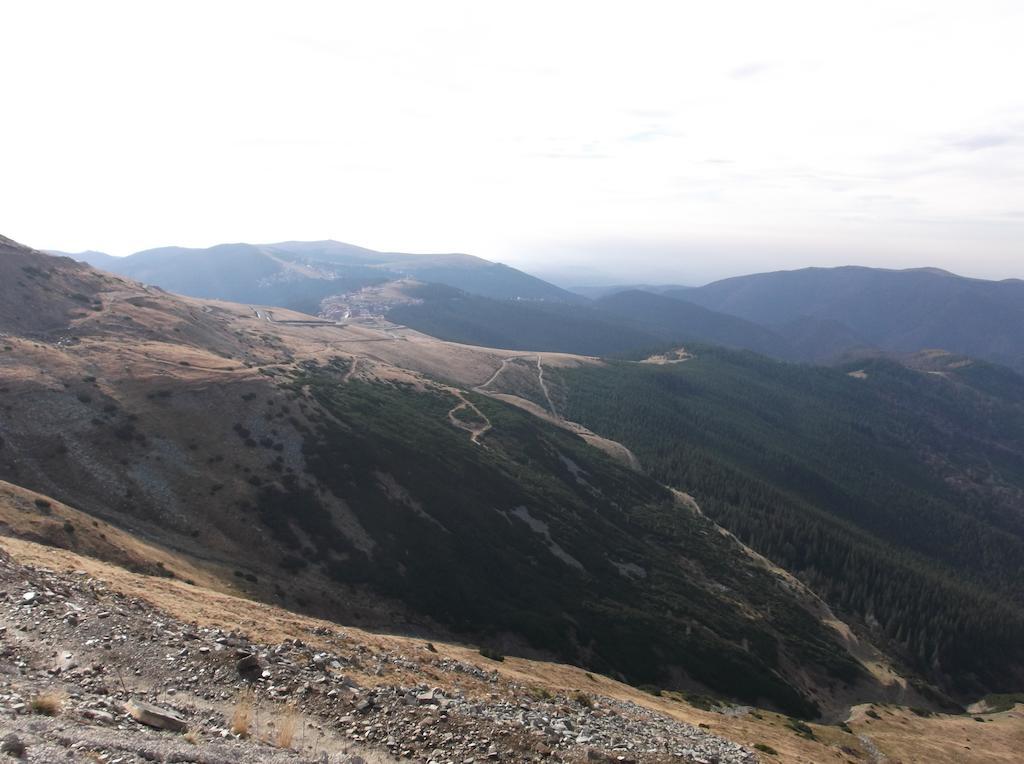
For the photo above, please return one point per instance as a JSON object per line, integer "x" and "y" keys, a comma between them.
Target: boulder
{"x": 154, "y": 716}
{"x": 248, "y": 664}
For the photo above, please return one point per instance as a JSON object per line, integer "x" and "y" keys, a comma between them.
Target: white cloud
{"x": 708, "y": 138}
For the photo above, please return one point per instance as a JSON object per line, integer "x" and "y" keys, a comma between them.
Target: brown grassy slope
{"x": 31, "y": 516}
{"x": 128, "y": 409}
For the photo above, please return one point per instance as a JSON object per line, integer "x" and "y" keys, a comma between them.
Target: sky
{"x": 589, "y": 142}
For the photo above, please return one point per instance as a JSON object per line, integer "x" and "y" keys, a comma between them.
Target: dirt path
{"x": 550, "y": 414}
{"x": 504, "y": 363}
{"x": 351, "y": 369}
{"x": 544, "y": 389}
{"x": 475, "y": 433}
{"x": 540, "y": 380}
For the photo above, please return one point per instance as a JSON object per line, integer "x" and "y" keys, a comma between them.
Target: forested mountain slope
{"x": 622, "y": 324}
{"x": 897, "y": 494}
{"x": 675, "y": 320}
{"x": 456, "y": 316}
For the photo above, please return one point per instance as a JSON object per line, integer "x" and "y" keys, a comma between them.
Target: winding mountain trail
{"x": 550, "y": 413}
{"x": 475, "y": 432}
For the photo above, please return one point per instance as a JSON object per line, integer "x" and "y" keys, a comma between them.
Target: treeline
{"x": 892, "y": 496}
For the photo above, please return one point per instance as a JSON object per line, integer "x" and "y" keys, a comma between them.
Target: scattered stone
{"x": 137, "y": 658}
{"x": 103, "y": 717}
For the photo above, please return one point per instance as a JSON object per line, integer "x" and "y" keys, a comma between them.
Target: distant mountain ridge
{"x": 811, "y": 315}
{"x": 892, "y": 310}
{"x": 298, "y": 274}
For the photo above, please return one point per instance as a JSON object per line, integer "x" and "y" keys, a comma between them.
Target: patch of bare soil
{"x": 674, "y": 356}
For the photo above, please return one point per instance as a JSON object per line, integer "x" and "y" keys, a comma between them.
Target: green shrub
{"x": 491, "y": 654}
{"x": 539, "y": 693}
{"x": 703, "y": 702}
{"x": 1003, "y": 702}
{"x": 800, "y": 728}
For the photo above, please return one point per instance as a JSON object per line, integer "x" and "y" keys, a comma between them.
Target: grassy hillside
{"x": 896, "y": 494}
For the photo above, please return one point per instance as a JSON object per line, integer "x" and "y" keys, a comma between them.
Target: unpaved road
{"x": 550, "y": 414}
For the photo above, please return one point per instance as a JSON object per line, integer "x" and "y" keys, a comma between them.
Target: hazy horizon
{"x": 585, "y": 276}
{"x": 581, "y": 142}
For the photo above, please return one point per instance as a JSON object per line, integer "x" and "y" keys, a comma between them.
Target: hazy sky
{"x": 669, "y": 141}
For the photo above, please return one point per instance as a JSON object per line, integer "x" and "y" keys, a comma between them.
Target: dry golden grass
{"x": 944, "y": 739}
{"x": 192, "y": 736}
{"x": 241, "y": 717}
{"x": 287, "y": 725}
{"x": 47, "y": 703}
{"x": 23, "y": 517}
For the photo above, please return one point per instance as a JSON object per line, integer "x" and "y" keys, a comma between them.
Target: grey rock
{"x": 248, "y": 664}
{"x": 155, "y": 716}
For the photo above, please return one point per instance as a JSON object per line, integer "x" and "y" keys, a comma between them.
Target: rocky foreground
{"x": 89, "y": 674}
